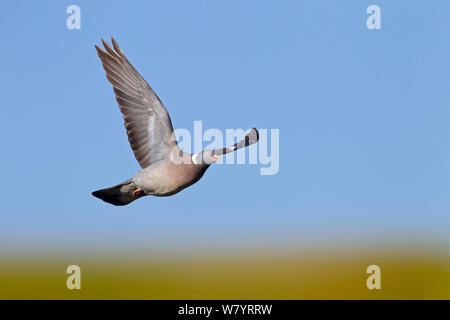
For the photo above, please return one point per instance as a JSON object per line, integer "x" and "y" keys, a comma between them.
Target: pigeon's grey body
{"x": 166, "y": 178}
{"x": 166, "y": 170}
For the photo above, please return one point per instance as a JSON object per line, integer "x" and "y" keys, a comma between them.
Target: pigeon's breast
{"x": 166, "y": 178}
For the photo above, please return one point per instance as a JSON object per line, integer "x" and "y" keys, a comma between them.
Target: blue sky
{"x": 363, "y": 118}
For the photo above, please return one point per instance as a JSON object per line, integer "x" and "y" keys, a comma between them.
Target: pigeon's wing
{"x": 250, "y": 138}
{"x": 147, "y": 121}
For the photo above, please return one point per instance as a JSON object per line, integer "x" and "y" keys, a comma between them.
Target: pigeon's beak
{"x": 216, "y": 158}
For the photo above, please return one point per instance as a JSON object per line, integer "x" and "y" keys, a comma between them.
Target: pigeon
{"x": 166, "y": 169}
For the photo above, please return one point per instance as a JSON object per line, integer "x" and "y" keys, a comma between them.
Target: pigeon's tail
{"x": 119, "y": 195}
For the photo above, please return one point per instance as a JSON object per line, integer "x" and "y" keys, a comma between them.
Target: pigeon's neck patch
{"x": 197, "y": 159}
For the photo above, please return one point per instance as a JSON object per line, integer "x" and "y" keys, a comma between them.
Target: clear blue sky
{"x": 363, "y": 118}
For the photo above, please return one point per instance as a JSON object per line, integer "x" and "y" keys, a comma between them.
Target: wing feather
{"x": 147, "y": 121}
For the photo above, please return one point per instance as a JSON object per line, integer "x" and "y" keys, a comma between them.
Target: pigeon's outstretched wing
{"x": 147, "y": 121}
{"x": 249, "y": 139}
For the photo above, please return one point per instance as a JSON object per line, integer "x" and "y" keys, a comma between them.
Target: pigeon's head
{"x": 205, "y": 158}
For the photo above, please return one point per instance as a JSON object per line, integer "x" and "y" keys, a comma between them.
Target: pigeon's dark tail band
{"x": 119, "y": 195}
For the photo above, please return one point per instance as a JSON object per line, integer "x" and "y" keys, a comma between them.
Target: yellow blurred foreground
{"x": 314, "y": 274}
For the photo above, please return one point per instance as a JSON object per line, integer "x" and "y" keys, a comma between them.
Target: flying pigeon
{"x": 166, "y": 169}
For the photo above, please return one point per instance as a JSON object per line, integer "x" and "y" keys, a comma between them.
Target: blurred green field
{"x": 295, "y": 274}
